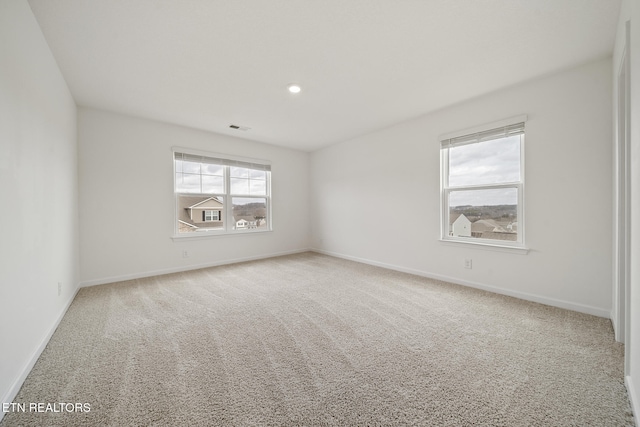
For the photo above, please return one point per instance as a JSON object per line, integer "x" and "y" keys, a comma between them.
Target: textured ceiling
{"x": 362, "y": 64}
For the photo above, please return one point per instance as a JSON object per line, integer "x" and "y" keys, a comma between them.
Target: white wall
{"x": 127, "y": 204}
{"x": 630, "y": 11}
{"x": 38, "y": 184}
{"x": 377, "y": 197}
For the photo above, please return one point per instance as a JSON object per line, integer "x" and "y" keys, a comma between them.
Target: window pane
{"x": 490, "y": 162}
{"x": 199, "y": 213}
{"x": 187, "y": 183}
{"x": 237, "y": 172}
{"x": 212, "y": 184}
{"x": 258, "y": 188}
{"x": 486, "y": 214}
{"x": 211, "y": 169}
{"x": 256, "y": 174}
{"x": 249, "y": 213}
{"x": 211, "y": 215}
{"x": 191, "y": 167}
{"x": 239, "y": 186}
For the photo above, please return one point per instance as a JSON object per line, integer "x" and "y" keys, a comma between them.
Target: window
{"x": 483, "y": 185}
{"x": 210, "y": 215}
{"x": 218, "y": 195}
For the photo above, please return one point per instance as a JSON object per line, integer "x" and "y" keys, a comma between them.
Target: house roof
{"x": 187, "y": 224}
{"x": 486, "y": 225}
{"x": 500, "y": 235}
{"x": 454, "y": 217}
{"x": 215, "y": 199}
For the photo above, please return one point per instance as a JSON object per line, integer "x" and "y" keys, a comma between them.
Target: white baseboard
{"x": 24, "y": 372}
{"x": 140, "y": 275}
{"x": 633, "y": 398}
{"x": 516, "y": 294}
{"x": 614, "y": 322}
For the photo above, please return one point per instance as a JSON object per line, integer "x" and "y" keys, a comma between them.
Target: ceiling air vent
{"x": 243, "y": 128}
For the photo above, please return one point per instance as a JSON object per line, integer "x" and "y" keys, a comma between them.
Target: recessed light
{"x": 294, "y": 88}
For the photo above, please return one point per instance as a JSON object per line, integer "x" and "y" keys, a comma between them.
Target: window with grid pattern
{"x": 219, "y": 195}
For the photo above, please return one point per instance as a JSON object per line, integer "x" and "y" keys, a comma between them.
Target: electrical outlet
{"x": 185, "y": 254}
{"x": 59, "y": 288}
{"x": 468, "y": 263}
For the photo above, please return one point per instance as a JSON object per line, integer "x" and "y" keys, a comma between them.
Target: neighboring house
{"x": 460, "y": 225}
{"x": 199, "y": 213}
{"x": 490, "y": 229}
{"x": 249, "y": 222}
{"x": 242, "y": 223}
{"x": 484, "y": 225}
{"x": 185, "y": 227}
{"x": 502, "y": 235}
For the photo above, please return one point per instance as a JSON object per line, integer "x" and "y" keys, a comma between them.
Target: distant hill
{"x": 251, "y": 210}
{"x": 502, "y": 213}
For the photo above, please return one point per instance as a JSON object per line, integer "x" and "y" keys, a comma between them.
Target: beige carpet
{"x": 313, "y": 340}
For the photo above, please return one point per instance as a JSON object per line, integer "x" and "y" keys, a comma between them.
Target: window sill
{"x": 521, "y": 250}
{"x": 213, "y": 235}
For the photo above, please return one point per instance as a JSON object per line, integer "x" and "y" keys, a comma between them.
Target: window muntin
{"x": 248, "y": 181}
{"x": 206, "y": 190}
{"x": 199, "y": 175}
{"x": 482, "y": 187}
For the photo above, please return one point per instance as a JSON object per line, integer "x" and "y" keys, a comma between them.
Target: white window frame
{"x": 446, "y": 189}
{"x": 211, "y": 215}
{"x": 226, "y": 215}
